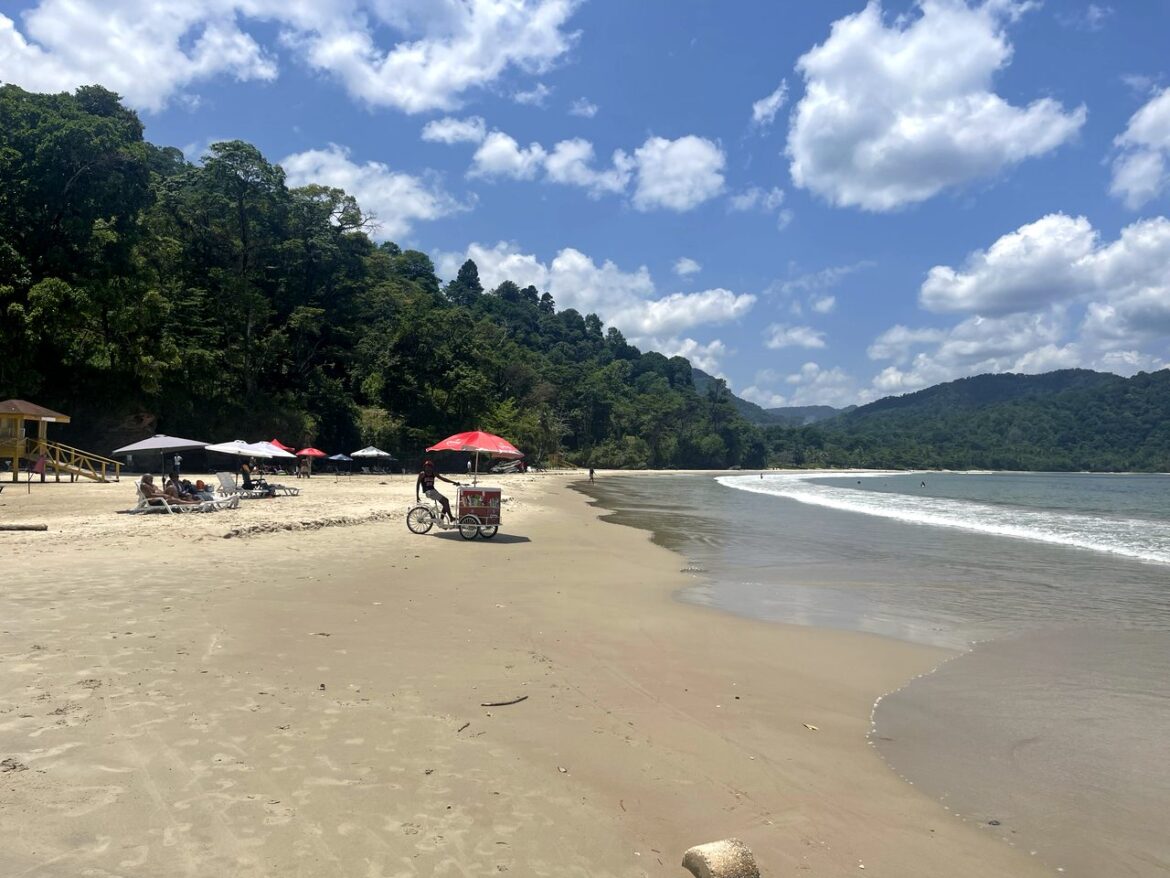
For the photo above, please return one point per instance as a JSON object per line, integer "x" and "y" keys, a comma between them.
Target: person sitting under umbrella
{"x": 426, "y": 481}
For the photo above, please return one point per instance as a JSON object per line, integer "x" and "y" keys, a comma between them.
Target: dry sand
{"x": 308, "y": 702}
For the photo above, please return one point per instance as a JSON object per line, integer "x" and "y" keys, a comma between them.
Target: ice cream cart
{"x": 477, "y": 513}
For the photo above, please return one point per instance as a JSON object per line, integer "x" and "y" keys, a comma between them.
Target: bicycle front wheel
{"x": 419, "y": 519}
{"x": 468, "y": 527}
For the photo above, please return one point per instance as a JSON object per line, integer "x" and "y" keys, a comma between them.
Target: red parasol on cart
{"x": 480, "y": 443}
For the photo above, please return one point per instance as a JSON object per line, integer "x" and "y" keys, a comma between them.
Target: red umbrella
{"x": 311, "y": 452}
{"x": 282, "y": 446}
{"x": 480, "y": 443}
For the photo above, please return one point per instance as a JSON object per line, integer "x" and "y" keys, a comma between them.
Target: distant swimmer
{"x": 924, "y": 484}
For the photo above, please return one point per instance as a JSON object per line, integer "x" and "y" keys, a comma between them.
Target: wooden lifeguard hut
{"x": 17, "y": 445}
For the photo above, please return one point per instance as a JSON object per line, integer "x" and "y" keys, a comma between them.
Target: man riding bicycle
{"x": 426, "y": 481}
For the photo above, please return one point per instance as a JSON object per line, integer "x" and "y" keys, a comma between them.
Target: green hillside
{"x": 1068, "y": 420}
{"x": 143, "y": 293}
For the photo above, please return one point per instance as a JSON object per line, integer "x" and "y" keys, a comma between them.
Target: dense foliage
{"x": 140, "y": 292}
{"x": 1070, "y": 420}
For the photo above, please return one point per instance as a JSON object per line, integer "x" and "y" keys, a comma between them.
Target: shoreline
{"x": 176, "y": 709}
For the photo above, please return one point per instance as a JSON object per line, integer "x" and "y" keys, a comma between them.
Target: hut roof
{"x": 31, "y": 411}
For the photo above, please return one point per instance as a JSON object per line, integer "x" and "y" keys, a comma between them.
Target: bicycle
{"x": 422, "y": 516}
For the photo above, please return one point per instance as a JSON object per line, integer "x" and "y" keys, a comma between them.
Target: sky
{"x": 823, "y": 203}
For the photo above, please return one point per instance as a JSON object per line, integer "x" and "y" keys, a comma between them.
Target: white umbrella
{"x": 239, "y": 448}
{"x": 270, "y": 450}
{"x": 371, "y": 451}
{"x": 162, "y": 444}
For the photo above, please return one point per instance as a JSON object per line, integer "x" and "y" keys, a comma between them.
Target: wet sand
{"x": 309, "y": 701}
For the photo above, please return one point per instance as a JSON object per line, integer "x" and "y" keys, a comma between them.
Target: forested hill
{"x": 1067, "y": 420}
{"x": 785, "y": 416}
{"x": 141, "y": 293}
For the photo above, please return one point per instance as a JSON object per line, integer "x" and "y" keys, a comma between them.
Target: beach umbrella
{"x": 239, "y": 448}
{"x": 270, "y": 450}
{"x": 161, "y": 443}
{"x": 281, "y": 445}
{"x": 371, "y": 451}
{"x": 311, "y": 452}
{"x": 479, "y": 442}
{"x": 340, "y": 458}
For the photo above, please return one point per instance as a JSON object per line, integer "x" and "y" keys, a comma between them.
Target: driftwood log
{"x": 24, "y": 527}
{"x": 729, "y": 858}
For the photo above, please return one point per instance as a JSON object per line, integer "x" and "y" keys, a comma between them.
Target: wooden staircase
{"x": 67, "y": 460}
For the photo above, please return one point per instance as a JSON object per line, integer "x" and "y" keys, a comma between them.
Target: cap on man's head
{"x": 428, "y": 463}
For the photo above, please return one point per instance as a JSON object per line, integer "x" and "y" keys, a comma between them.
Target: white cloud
{"x": 395, "y": 199}
{"x": 815, "y": 385}
{"x": 781, "y": 335}
{"x": 686, "y": 266}
{"x": 756, "y": 198}
{"x": 533, "y": 97}
{"x": 765, "y": 109}
{"x": 1015, "y": 343}
{"x": 628, "y": 300}
{"x": 677, "y": 174}
{"x": 1091, "y": 18}
{"x": 895, "y": 343}
{"x": 823, "y": 304}
{"x": 151, "y": 51}
{"x": 1039, "y": 263}
{"x": 893, "y": 115}
{"x": 679, "y": 311}
{"x": 1048, "y": 296}
{"x": 1059, "y": 259}
{"x": 707, "y": 357}
{"x": 762, "y": 397}
{"x": 815, "y": 281}
{"x": 571, "y": 163}
{"x": 583, "y": 108}
{"x": 1141, "y": 170}
{"x": 145, "y": 52}
{"x": 501, "y": 156}
{"x": 452, "y": 130}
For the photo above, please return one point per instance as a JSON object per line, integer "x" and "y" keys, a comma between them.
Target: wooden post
{"x": 42, "y": 450}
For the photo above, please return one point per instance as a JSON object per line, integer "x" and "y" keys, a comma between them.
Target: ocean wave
{"x": 1140, "y": 539}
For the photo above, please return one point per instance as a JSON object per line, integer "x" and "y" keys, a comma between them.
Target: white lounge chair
{"x": 164, "y": 504}
{"x": 228, "y": 487}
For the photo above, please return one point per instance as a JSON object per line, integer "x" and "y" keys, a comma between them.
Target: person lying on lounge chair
{"x": 155, "y": 496}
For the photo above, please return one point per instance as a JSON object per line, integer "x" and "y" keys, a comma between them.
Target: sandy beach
{"x": 306, "y": 697}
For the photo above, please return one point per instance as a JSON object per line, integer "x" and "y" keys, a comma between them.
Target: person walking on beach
{"x": 426, "y": 482}
{"x": 591, "y": 475}
{"x": 178, "y": 470}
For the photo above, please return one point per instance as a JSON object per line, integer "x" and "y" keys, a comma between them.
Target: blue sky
{"x": 822, "y": 202}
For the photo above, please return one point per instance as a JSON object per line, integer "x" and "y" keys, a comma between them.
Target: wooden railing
{"x": 67, "y": 459}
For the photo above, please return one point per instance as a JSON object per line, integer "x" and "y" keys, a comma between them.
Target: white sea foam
{"x": 1141, "y": 539}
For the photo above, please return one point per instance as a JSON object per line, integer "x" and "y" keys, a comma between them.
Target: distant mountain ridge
{"x": 786, "y": 416}
{"x": 1072, "y": 419}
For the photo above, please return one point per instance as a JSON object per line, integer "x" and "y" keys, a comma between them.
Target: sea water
{"x": 1051, "y": 729}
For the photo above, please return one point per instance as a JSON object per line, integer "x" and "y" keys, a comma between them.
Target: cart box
{"x": 482, "y": 502}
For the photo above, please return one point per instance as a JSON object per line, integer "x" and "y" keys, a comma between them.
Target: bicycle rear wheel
{"x": 420, "y": 519}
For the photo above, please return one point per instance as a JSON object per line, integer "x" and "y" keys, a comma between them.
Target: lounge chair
{"x": 260, "y": 488}
{"x": 228, "y": 487}
{"x": 164, "y": 504}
